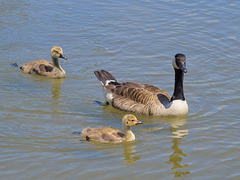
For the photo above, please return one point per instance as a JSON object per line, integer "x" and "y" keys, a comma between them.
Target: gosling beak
{"x": 62, "y": 56}
{"x": 138, "y": 122}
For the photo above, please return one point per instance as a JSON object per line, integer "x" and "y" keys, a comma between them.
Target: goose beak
{"x": 184, "y": 70}
{"x": 138, "y": 122}
{"x": 62, "y": 56}
{"x": 183, "y": 67}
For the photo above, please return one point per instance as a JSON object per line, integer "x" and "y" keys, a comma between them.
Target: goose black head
{"x": 180, "y": 62}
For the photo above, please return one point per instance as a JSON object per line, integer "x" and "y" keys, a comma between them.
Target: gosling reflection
{"x": 129, "y": 150}
{"x": 56, "y": 90}
{"x": 177, "y": 156}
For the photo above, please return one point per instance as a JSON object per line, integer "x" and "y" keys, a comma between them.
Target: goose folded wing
{"x": 138, "y": 92}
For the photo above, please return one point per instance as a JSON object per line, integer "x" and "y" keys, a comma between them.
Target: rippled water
{"x": 136, "y": 41}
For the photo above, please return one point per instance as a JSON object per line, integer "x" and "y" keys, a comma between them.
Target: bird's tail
{"x": 105, "y": 77}
{"x": 14, "y": 64}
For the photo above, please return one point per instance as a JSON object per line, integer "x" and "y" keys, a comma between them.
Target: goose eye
{"x": 132, "y": 119}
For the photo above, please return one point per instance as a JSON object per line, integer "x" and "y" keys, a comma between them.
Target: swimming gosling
{"x": 45, "y": 68}
{"x": 109, "y": 135}
{"x": 147, "y": 99}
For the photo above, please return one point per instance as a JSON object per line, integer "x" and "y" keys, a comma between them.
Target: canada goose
{"x": 147, "y": 99}
{"x": 107, "y": 134}
{"x": 45, "y": 68}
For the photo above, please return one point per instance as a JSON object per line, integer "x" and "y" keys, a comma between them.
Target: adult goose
{"x": 107, "y": 134}
{"x": 45, "y": 68}
{"x": 147, "y": 99}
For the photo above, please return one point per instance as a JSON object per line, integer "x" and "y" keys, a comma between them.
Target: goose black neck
{"x": 178, "y": 88}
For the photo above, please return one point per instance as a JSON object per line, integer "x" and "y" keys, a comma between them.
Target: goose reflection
{"x": 129, "y": 150}
{"x": 177, "y": 156}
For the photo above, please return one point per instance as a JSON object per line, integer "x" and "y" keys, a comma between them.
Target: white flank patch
{"x": 109, "y": 97}
{"x": 109, "y": 81}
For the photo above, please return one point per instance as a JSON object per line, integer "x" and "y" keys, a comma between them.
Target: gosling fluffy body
{"x": 147, "y": 99}
{"x": 110, "y": 135}
{"x": 45, "y": 68}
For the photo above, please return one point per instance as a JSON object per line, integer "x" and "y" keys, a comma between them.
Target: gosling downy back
{"x": 45, "y": 68}
{"x": 110, "y": 135}
{"x": 147, "y": 99}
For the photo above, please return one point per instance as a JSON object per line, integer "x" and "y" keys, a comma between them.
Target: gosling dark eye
{"x": 132, "y": 119}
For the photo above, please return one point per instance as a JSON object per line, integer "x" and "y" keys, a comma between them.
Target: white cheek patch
{"x": 174, "y": 64}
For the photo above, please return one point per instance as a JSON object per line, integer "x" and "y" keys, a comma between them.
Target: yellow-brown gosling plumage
{"x": 110, "y": 135}
{"x": 147, "y": 99}
{"x": 45, "y": 68}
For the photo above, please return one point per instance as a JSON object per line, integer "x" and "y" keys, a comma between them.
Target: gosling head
{"x": 130, "y": 120}
{"x": 57, "y": 52}
{"x": 180, "y": 62}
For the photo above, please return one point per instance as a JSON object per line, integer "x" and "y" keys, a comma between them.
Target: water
{"x": 136, "y": 41}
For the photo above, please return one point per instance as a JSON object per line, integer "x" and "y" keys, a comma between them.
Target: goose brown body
{"x": 107, "y": 134}
{"x": 146, "y": 99}
{"x": 45, "y": 68}
{"x": 139, "y": 98}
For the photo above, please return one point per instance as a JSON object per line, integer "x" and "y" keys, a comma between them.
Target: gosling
{"x": 45, "y": 68}
{"x": 109, "y": 135}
